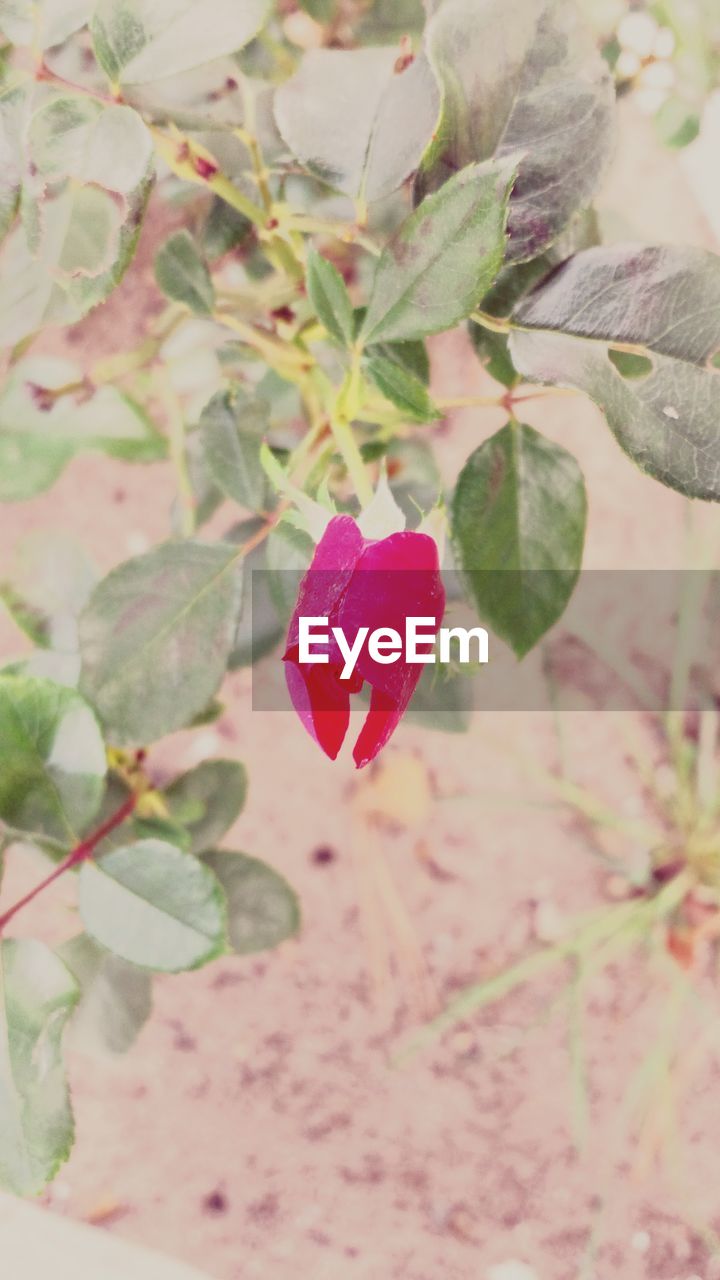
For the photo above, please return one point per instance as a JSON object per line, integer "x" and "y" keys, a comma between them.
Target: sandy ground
{"x": 258, "y": 1128}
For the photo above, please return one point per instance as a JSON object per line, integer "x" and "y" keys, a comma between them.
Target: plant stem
{"x": 347, "y": 406}
{"x": 538, "y": 393}
{"x": 281, "y": 356}
{"x": 494, "y": 323}
{"x": 471, "y": 402}
{"x": 352, "y": 457}
{"x": 178, "y": 452}
{"x": 346, "y": 232}
{"x": 81, "y": 853}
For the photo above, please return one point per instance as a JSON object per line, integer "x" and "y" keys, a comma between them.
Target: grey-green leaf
{"x": 156, "y": 635}
{"x": 37, "y": 994}
{"x": 443, "y": 259}
{"x": 115, "y": 998}
{"x": 138, "y": 41}
{"x": 289, "y": 553}
{"x": 154, "y": 906}
{"x": 207, "y": 800}
{"x": 182, "y": 274}
{"x": 402, "y": 389}
{"x": 522, "y": 76}
{"x": 88, "y": 172}
{"x": 665, "y": 302}
{"x": 233, "y": 427}
{"x": 35, "y": 420}
{"x": 263, "y": 910}
{"x": 13, "y": 105}
{"x": 330, "y": 298}
{"x": 42, "y": 23}
{"x": 518, "y": 523}
{"x": 29, "y": 465}
{"x": 355, "y": 121}
{"x": 259, "y": 627}
{"x": 52, "y": 758}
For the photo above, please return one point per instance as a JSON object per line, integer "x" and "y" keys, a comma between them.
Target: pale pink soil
{"x": 257, "y": 1128}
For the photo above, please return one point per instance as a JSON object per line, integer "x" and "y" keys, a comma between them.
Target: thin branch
{"x": 81, "y": 853}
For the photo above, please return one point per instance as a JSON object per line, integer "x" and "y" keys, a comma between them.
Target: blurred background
{"x": 280, "y": 1117}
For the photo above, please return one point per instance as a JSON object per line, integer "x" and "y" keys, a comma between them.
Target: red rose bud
{"x": 362, "y": 587}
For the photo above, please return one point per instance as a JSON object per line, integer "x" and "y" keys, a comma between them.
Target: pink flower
{"x": 356, "y": 583}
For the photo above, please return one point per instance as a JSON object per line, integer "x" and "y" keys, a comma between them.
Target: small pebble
{"x": 137, "y": 543}
{"x": 549, "y": 924}
{"x": 640, "y": 1242}
{"x": 512, "y": 1270}
{"x": 203, "y": 747}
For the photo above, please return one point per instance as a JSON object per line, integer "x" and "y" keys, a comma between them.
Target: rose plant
{"x": 341, "y": 181}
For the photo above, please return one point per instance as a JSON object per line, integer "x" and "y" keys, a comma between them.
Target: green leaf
{"x": 87, "y": 180}
{"x": 387, "y": 21}
{"x": 32, "y": 621}
{"x": 443, "y": 259}
{"x": 13, "y": 105}
{"x": 677, "y": 123}
{"x": 415, "y": 479}
{"x": 163, "y": 829}
{"x": 52, "y": 758}
{"x": 259, "y": 628}
{"x": 410, "y": 356}
{"x": 94, "y": 143}
{"x": 155, "y": 638}
{"x": 263, "y": 910}
{"x": 665, "y": 303}
{"x": 514, "y": 282}
{"x": 233, "y": 427}
{"x": 518, "y": 523}
{"x": 289, "y": 553}
{"x": 37, "y": 994}
{"x": 320, "y": 10}
{"x": 115, "y": 998}
{"x": 29, "y": 466}
{"x": 53, "y": 576}
{"x": 153, "y": 906}
{"x": 137, "y": 41}
{"x": 354, "y": 122}
{"x": 41, "y": 24}
{"x": 183, "y": 276}
{"x": 207, "y": 800}
{"x": 224, "y": 230}
{"x": 522, "y": 77}
{"x": 330, "y": 298}
{"x": 402, "y": 389}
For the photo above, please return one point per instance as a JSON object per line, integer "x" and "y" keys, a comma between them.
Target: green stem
{"x": 494, "y": 323}
{"x": 178, "y": 453}
{"x": 352, "y": 457}
{"x": 286, "y": 359}
{"x": 347, "y": 406}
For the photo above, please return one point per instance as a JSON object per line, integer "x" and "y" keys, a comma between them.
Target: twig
{"x": 81, "y": 853}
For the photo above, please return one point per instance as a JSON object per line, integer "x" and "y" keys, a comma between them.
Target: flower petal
{"x": 381, "y": 722}
{"x": 322, "y": 702}
{"x": 336, "y": 555}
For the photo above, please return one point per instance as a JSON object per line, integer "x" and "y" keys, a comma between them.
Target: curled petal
{"x": 380, "y": 724}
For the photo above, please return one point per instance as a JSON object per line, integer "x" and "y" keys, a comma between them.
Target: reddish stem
{"x": 79, "y": 854}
